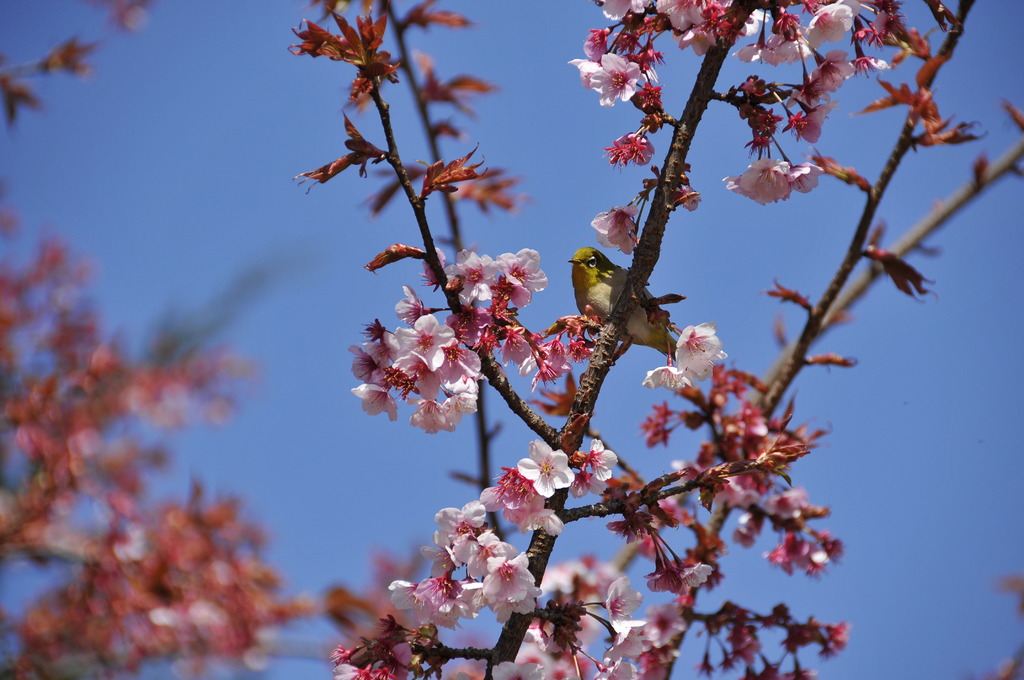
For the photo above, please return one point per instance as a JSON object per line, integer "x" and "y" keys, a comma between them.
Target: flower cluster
{"x": 620, "y": 66}
{"x": 744, "y": 434}
{"x": 435, "y": 366}
{"x": 497, "y": 574}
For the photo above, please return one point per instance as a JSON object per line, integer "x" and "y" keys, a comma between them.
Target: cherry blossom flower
{"x": 508, "y": 587}
{"x": 431, "y": 416}
{"x": 682, "y": 14}
{"x": 514, "y": 490}
{"x": 424, "y": 340}
{"x": 764, "y": 181}
{"x": 587, "y": 68}
{"x": 458, "y": 363}
{"x": 596, "y": 43}
{"x": 524, "y": 273}
{"x": 748, "y": 529}
{"x": 700, "y": 41}
{"x": 457, "y": 526}
{"x": 508, "y": 670}
{"x": 442, "y": 561}
{"x": 631, "y": 148}
{"x": 549, "y": 470}
{"x": 835, "y": 69}
{"x": 475, "y": 554}
{"x": 804, "y": 177}
{"x": 410, "y": 307}
{"x": 698, "y": 348}
{"x": 617, "y": 670}
{"x": 696, "y": 351}
{"x": 477, "y": 273}
{"x": 470, "y": 324}
{"x": 533, "y": 516}
{"x": 376, "y": 399}
{"x": 615, "y": 79}
{"x": 616, "y": 9}
{"x": 621, "y": 602}
{"x": 664, "y": 622}
{"x": 595, "y": 472}
{"x": 831, "y": 22}
{"x": 616, "y": 228}
{"x": 807, "y": 126}
{"x": 788, "y": 504}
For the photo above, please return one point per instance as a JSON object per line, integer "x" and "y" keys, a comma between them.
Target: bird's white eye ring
{"x": 592, "y": 261}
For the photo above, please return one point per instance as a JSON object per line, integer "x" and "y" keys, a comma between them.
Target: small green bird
{"x": 597, "y": 282}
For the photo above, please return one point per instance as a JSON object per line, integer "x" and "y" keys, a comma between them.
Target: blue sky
{"x": 171, "y": 170}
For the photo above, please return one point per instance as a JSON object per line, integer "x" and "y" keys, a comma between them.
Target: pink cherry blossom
{"x": 533, "y": 516}
{"x": 508, "y": 670}
{"x": 549, "y": 470}
{"x": 631, "y": 148}
{"x": 424, "y": 340}
{"x": 616, "y": 9}
{"x": 788, "y": 504}
{"x": 457, "y": 526}
{"x": 663, "y": 623}
{"x": 476, "y": 554}
{"x": 596, "y": 44}
{"x": 697, "y": 349}
{"x": 621, "y": 602}
{"x": 831, "y": 22}
{"x": 431, "y": 416}
{"x": 410, "y": 307}
{"x": 833, "y": 71}
{"x": 616, "y": 79}
{"x": 587, "y": 68}
{"x": 524, "y": 273}
{"x": 747, "y": 530}
{"x": 376, "y": 399}
{"x": 514, "y": 490}
{"x": 596, "y": 470}
{"x": 765, "y": 181}
{"x": 477, "y": 273}
{"x": 616, "y": 228}
{"x": 517, "y": 347}
{"x": 619, "y": 669}
{"x": 682, "y": 14}
{"x": 780, "y": 50}
{"x": 508, "y": 587}
{"x": 458, "y": 363}
{"x": 804, "y": 177}
{"x": 700, "y": 41}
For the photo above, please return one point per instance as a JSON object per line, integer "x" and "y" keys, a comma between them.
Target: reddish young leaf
{"x": 845, "y": 174}
{"x": 317, "y": 42}
{"x": 395, "y": 253}
{"x": 830, "y": 359}
{"x": 16, "y": 94}
{"x": 440, "y": 177}
{"x": 423, "y": 15}
{"x": 789, "y": 295}
{"x": 943, "y": 14}
{"x": 903, "y": 95}
{"x": 1016, "y": 114}
{"x": 906, "y": 278}
{"x": 491, "y": 190}
{"x": 69, "y": 56}
{"x": 558, "y": 403}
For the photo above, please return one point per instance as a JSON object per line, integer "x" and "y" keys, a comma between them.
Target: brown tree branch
{"x": 793, "y": 360}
